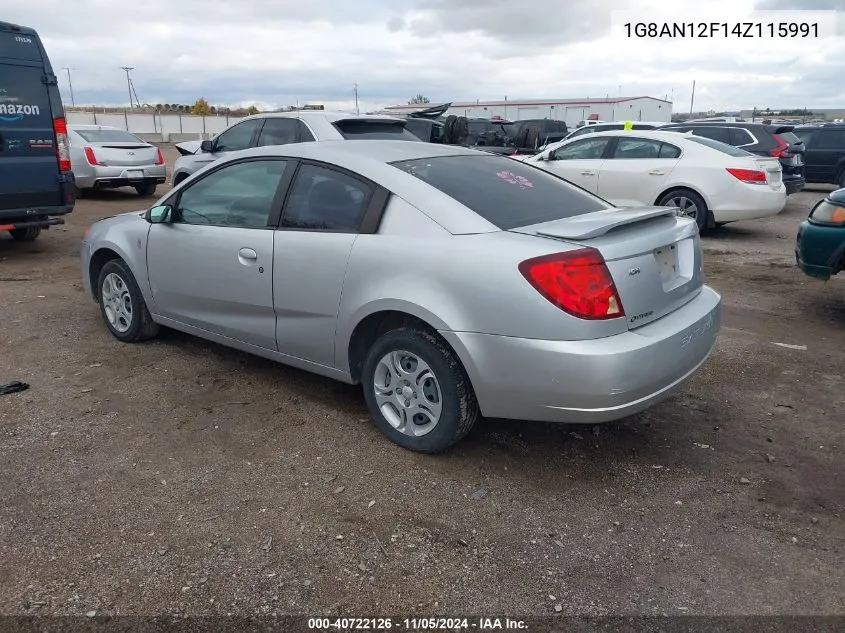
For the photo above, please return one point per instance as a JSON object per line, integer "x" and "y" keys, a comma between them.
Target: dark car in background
{"x": 824, "y": 154}
{"x": 36, "y": 181}
{"x": 778, "y": 141}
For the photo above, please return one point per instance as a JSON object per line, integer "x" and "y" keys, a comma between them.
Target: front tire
{"x": 122, "y": 304}
{"x": 417, "y": 390}
{"x": 690, "y": 204}
{"x": 28, "y": 234}
{"x": 146, "y": 189}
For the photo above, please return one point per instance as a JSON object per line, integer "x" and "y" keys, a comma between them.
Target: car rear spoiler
{"x": 432, "y": 112}
{"x": 590, "y": 225}
{"x": 783, "y": 129}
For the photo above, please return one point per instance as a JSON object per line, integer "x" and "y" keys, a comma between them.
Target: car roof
{"x": 82, "y": 126}
{"x": 328, "y": 115}
{"x": 657, "y": 135}
{"x": 717, "y": 124}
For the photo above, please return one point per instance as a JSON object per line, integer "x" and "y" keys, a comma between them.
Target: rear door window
{"x": 505, "y": 192}
{"x": 278, "y": 131}
{"x": 374, "y": 129}
{"x": 832, "y": 139}
{"x": 19, "y": 46}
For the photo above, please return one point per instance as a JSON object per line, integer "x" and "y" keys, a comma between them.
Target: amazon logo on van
{"x": 18, "y": 111}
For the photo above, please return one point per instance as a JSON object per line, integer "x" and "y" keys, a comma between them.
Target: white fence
{"x": 157, "y": 127}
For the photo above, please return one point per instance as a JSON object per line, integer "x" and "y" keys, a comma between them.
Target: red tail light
{"x": 577, "y": 282}
{"x": 62, "y": 146}
{"x": 159, "y": 157}
{"x": 91, "y": 157}
{"x": 750, "y": 176}
{"x": 781, "y": 150}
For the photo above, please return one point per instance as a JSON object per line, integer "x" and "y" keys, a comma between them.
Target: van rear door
{"x": 28, "y": 164}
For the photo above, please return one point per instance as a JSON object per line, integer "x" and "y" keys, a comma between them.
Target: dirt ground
{"x": 177, "y": 476}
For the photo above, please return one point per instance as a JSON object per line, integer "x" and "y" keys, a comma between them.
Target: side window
{"x": 716, "y": 133}
{"x": 669, "y": 151}
{"x": 237, "y": 137}
{"x": 636, "y": 148}
{"x": 585, "y": 149}
{"x": 740, "y": 137}
{"x": 278, "y": 131}
{"x": 808, "y": 136}
{"x": 324, "y": 199}
{"x": 305, "y": 135}
{"x": 238, "y": 195}
{"x": 832, "y": 139}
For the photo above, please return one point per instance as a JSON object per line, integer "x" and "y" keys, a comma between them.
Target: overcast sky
{"x": 273, "y": 52}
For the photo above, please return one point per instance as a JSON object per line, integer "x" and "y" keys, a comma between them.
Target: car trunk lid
{"x": 652, "y": 253}
{"x": 124, "y": 154}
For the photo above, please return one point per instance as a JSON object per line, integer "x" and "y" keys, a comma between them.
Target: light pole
{"x": 126, "y": 69}
{"x": 357, "y": 111}
{"x": 70, "y": 85}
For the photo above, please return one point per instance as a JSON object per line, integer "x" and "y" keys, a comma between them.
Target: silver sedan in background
{"x": 104, "y": 157}
{"x": 450, "y": 283}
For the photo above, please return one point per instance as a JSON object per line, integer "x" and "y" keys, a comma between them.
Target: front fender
{"x": 126, "y": 236}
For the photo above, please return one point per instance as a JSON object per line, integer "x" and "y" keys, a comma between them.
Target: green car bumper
{"x": 820, "y": 250}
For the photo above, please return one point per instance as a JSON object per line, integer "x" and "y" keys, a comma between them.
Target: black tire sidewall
{"x": 118, "y": 267}
{"x": 450, "y": 377}
{"x": 28, "y": 234}
{"x": 147, "y": 189}
{"x": 703, "y": 214}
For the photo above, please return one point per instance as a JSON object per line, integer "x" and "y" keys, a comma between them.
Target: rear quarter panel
{"x": 461, "y": 283}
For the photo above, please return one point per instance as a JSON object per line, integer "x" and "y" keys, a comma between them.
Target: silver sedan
{"x": 449, "y": 282}
{"x": 104, "y": 157}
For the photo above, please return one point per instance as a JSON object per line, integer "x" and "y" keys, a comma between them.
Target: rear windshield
{"x": 503, "y": 191}
{"x": 384, "y": 130}
{"x": 19, "y": 45}
{"x": 108, "y": 136}
{"x": 790, "y": 138}
{"x": 730, "y": 150}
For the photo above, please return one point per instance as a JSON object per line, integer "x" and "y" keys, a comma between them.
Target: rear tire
{"x": 147, "y": 189}
{"x": 417, "y": 369}
{"x": 28, "y": 234}
{"x": 122, "y": 304}
{"x": 691, "y": 205}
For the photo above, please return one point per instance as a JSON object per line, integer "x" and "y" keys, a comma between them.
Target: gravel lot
{"x": 177, "y": 476}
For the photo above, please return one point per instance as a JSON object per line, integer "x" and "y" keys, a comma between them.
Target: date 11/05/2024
{"x": 416, "y": 624}
{"x": 648, "y": 30}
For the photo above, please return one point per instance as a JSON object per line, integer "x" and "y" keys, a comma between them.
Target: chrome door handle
{"x": 657, "y": 172}
{"x": 588, "y": 173}
{"x": 247, "y": 253}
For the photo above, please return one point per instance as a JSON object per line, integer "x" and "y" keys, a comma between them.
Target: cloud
{"x": 281, "y": 52}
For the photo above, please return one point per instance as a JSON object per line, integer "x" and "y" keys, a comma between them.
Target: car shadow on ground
{"x": 546, "y": 442}
{"x": 122, "y": 194}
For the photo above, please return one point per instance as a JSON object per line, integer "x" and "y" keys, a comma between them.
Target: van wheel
{"x": 25, "y": 235}
{"x": 417, "y": 390}
{"x": 147, "y": 189}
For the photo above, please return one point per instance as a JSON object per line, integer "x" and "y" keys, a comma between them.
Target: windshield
{"x": 108, "y": 136}
{"x": 503, "y": 191}
{"x": 730, "y": 150}
{"x": 374, "y": 129}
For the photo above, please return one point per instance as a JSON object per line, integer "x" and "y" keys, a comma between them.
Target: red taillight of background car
{"x": 159, "y": 157}
{"x": 62, "y": 146}
{"x": 90, "y": 156}
{"x": 781, "y": 150}
{"x": 577, "y": 282}
{"x": 750, "y": 176}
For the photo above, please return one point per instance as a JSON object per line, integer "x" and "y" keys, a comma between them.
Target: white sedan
{"x": 707, "y": 180}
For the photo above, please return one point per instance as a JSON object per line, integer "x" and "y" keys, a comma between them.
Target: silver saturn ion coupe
{"x": 449, "y": 282}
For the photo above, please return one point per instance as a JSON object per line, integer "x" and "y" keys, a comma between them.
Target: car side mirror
{"x": 207, "y": 147}
{"x": 162, "y": 214}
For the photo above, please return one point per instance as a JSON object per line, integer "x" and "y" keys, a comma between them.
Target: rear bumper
{"x": 590, "y": 381}
{"x": 100, "y": 177}
{"x": 34, "y": 214}
{"x": 793, "y": 184}
{"x": 748, "y": 202}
